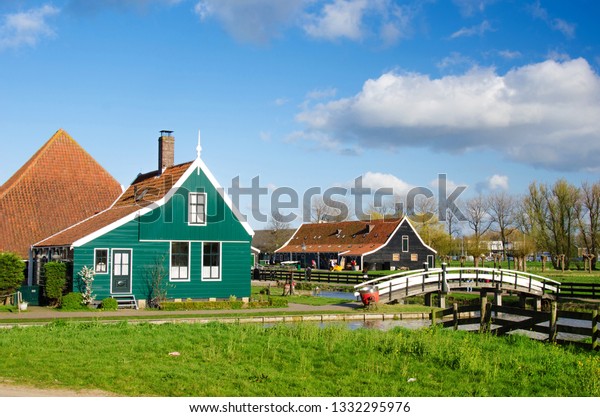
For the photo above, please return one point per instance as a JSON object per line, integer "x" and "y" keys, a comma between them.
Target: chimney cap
{"x": 166, "y": 133}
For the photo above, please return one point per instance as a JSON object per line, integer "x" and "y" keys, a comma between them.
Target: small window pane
{"x": 197, "y": 208}
{"x": 179, "y": 260}
{"x": 101, "y": 261}
{"x": 211, "y": 261}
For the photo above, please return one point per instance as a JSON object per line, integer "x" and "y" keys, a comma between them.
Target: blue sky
{"x": 308, "y": 93}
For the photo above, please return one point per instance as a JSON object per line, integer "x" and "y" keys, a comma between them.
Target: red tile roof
{"x": 61, "y": 184}
{"x": 351, "y": 238}
{"x": 144, "y": 190}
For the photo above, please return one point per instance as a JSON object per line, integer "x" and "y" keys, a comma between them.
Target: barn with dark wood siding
{"x": 385, "y": 244}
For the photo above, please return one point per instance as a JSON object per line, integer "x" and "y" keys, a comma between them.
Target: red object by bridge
{"x": 369, "y": 294}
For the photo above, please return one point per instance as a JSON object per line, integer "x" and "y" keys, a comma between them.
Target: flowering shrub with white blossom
{"x": 87, "y": 278}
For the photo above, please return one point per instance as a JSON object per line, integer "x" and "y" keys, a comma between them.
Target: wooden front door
{"x": 121, "y": 271}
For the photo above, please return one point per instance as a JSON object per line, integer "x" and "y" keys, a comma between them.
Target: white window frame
{"x": 106, "y": 266}
{"x": 405, "y": 238}
{"x": 185, "y": 279}
{"x": 220, "y": 267}
{"x": 190, "y": 222}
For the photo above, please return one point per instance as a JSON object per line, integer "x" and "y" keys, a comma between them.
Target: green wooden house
{"x": 175, "y": 222}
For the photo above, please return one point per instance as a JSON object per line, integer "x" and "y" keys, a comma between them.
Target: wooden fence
{"x": 337, "y": 277}
{"x": 501, "y": 320}
{"x": 579, "y": 290}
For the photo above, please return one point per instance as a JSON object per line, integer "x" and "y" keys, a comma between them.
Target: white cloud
{"x": 498, "y": 182}
{"x": 508, "y": 54}
{"x": 264, "y": 136}
{"x": 477, "y": 30}
{"x": 254, "y": 21}
{"x": 470, "y": 7}
{"x": 281, "y": 101}
{"x": 258, "y": 21}
{"x": 543, "y": 114}
{"x": 566, "y": 28}
{"x": 340, "y": 19}
{"x": 345, "y": 19}
{"x": 455, "y": 59}
{"x": 94, "y": 6}
{"x": 450, "y": 185}
{"x": 321, "y": 94}
{"x": 26, "y": 28}
{"x": 380, "y": 180}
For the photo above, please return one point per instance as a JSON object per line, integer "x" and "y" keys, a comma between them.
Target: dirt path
{"x": 8, "y": 390}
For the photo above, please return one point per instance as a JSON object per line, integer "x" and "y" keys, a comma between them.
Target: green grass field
{"x": 291, "y": 360}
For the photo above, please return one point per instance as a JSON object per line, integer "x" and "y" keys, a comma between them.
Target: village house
{"x": 175, "y": 222}
{"x": 61, "y": 184}
{"x": 385, "y": 244}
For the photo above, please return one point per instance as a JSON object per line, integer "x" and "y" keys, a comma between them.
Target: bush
{"x": 222, "y": 305}
{"x": 11, "y": 273}
{"x": 109, "y": 304}
{"x": 72, "y": 301}
{"x": 56, "y": 279}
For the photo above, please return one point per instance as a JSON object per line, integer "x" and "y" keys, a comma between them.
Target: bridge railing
{"x": 410, "y": 281}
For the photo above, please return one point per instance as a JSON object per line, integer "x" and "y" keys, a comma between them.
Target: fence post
{"x": 455, "y": 315}
{"x": 552, "y": 327}
{"x": 433, "y": 317}
{"x": 444, "y": 281}
{"x": 390, "y": 292}
{"x": 595, "y": 318}
{"x": 485, "y": 314}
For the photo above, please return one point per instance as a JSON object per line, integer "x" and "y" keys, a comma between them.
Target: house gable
{"x": 170, "y": 220}
{"x": 61, "y": 182}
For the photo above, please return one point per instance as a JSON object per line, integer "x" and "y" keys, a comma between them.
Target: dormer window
{"x": 197, "y": 209}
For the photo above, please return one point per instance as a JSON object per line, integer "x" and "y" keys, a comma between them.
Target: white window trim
{"x": 405, "y": 237}
{"x": 189, "y": 271}
{"x": 205, "y": 209}
{"x": 108, "y": 254}
{"x": 130, "y": 271}
{"x": 220, "y": 262}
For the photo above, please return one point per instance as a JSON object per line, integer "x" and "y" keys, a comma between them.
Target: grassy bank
{"x": 300, "y": 360}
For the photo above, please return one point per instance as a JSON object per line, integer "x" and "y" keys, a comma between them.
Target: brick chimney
{"x": 166, "y": 150}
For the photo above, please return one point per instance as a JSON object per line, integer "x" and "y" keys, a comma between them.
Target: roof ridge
{"x": 32, "y": 161}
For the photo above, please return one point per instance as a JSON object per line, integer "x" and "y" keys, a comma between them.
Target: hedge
{"x": 221, "y": 305}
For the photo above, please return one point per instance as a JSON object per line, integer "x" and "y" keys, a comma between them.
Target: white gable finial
{"x": 199, "y": 147}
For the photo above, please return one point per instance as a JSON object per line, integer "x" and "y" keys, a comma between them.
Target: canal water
{"x": 337, "y": 294}
{"x": 417, "y": 324}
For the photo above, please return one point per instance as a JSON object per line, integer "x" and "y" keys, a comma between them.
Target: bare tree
{"x": 279, "y": 233}
{"x": 588, "y": 218}
{"x": 501, "y": 208}
{"x": 334, "y": 211}
{"x": 476, "y": 212}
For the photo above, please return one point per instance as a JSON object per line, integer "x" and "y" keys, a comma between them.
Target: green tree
{"x": 588, "y": 218}
{"x": 11, "y": 273}
{"x": 56, "y": 279}
{"x": 553, "y": 213}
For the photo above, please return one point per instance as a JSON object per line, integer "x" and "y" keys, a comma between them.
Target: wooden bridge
{"x": 442, "y": 280}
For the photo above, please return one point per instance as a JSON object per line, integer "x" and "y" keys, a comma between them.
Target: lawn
{"x": 291, "y": 360}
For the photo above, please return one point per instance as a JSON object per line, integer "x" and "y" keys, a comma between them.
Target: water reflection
{"x": 336, "y": 294}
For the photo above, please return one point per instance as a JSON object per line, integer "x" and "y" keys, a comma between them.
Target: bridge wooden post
{"x": 442, "y": 300}
{"x": 552, "y": 327}
{"x": 455, "y": 315}
{"x": 498, "y": 295}
{"x": 428, "y": 299}
{"x": 484, "y": 310}
{"x": 595, "y": 335}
